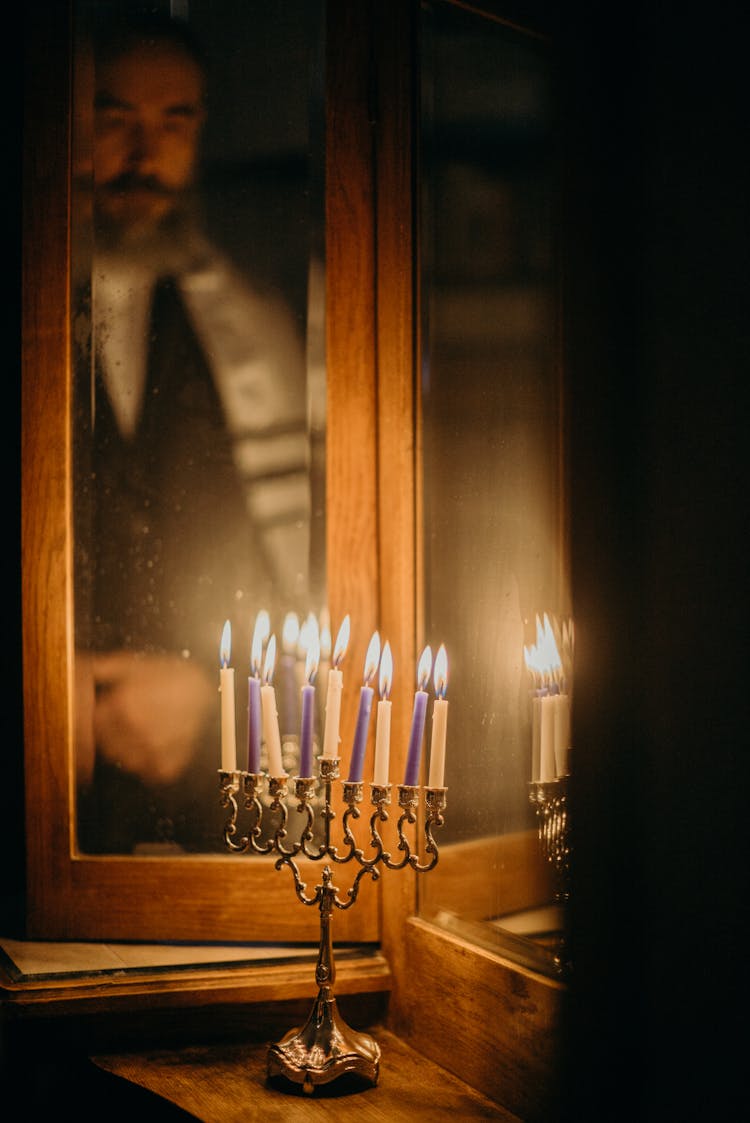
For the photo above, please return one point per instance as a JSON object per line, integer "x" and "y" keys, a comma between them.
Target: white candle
{"x": 333, "y": 695}
{"x": 226, "y": 688}
{"x": 550, "y": 713}
{"x": 536, "y": 736}
{"x": 439, "y": 720}
{"x": 547, "y": 769}
{"x": 383, "y": 734}
{"x": 271, "y": 734}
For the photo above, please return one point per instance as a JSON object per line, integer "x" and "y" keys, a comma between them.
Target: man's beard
{"x": 168, "y": 244}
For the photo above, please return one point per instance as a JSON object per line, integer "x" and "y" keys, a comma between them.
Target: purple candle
{"x": 308, "y": 711}
{"x": 253, "y": 724}
{"x": 414, "y": 752}
{"x": 254, "y": 717}
{"x": 306, "y": 741}
{"x": 365, "y": 709}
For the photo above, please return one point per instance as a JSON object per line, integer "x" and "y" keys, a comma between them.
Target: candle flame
{"x": 290, "y": 632}
{"x": 312, "y": 659}
{"x": 260, "y": 635}
{"x": 342, "y": 641}
{"x": 441, "y": 672}
{"x": 225, "y": 649}
{"x": 424, "y": 668}
{"x": 263, "y": 625}
{"x": 386, "y": 671}
{"x": 270, "y": 660}
{"x": 324, "y": 623}
{"x": 373, "y": 658}
{"x": 309, "y": 634}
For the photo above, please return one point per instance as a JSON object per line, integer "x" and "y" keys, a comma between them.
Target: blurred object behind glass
{"x": 493, "y": 533}
{"x": 197, "y": 433}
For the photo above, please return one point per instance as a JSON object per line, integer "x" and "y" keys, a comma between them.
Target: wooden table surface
{"x": 227, "y": 1084}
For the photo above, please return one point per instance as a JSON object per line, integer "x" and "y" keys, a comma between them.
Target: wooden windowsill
{"x": 223, "y": 1084}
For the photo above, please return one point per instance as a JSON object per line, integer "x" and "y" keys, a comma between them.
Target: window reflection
{"x": 493, "y": 502}
{"x": 197, "y": 490}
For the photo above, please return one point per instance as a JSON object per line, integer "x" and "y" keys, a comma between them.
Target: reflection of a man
{"x": 191, "y": 460}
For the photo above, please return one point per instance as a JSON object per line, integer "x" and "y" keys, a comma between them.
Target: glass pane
{"x": 492, "y": 454}
{"x": 199, "y": 395}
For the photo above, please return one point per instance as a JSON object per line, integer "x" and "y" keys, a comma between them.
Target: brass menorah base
{"x": 325, "y": 1048}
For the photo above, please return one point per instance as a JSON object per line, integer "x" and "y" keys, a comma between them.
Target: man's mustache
{"x": 133, "y": 182}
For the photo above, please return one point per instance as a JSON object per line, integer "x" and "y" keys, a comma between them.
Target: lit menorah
{"x": 326, "y": 1047}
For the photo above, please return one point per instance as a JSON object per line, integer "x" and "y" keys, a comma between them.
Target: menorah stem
{"x": 325, "y": 1047}
{"x": 325, "y": 970}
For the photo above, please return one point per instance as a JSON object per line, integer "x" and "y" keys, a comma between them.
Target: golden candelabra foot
{"x": 324, "y": 1049}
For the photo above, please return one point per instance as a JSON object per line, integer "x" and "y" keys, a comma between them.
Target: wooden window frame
{"x": 195, "y": 898}
{"x": 436, "y": 979}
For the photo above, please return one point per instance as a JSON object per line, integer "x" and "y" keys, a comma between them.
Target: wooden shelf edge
{"x": 181, "y": 987}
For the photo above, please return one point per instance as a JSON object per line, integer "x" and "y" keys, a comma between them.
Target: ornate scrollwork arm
{"x": 353, "y": 890}
{"x": 379, "y": 815}
{"x": 435, "y": 802}
{"x": 299, "y": 884}
{"x": 229, "y": 786}
{"x": 408, "y": 799}
{"x": 352, "y": 798}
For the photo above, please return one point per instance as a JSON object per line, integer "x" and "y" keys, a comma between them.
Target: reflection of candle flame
{"x": 325, "y": 642}
{"x": 342, "y": 641}
{"x": 543, "y": 657}
{"x": 312, "y": 660}
{"x": 270, "y": 660}
{"x": 324, "y": 620}
{"x": 263, "y": 625}
{"x": 373, "y": 658}
{"x": 260, "y": 635}
{"x": 386, "y": 671}
{"x": 309, "y": 634}
{"x": 225, "y": 650}
{"x": 290, "y": 632}
{"x": 441, "y": 672}
{"x": 424, "y": 668}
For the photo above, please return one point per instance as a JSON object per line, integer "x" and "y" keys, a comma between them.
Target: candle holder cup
{"x": 326, "y": 1048}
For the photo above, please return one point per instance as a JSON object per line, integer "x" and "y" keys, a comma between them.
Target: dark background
{"x": 656, "y": 355}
